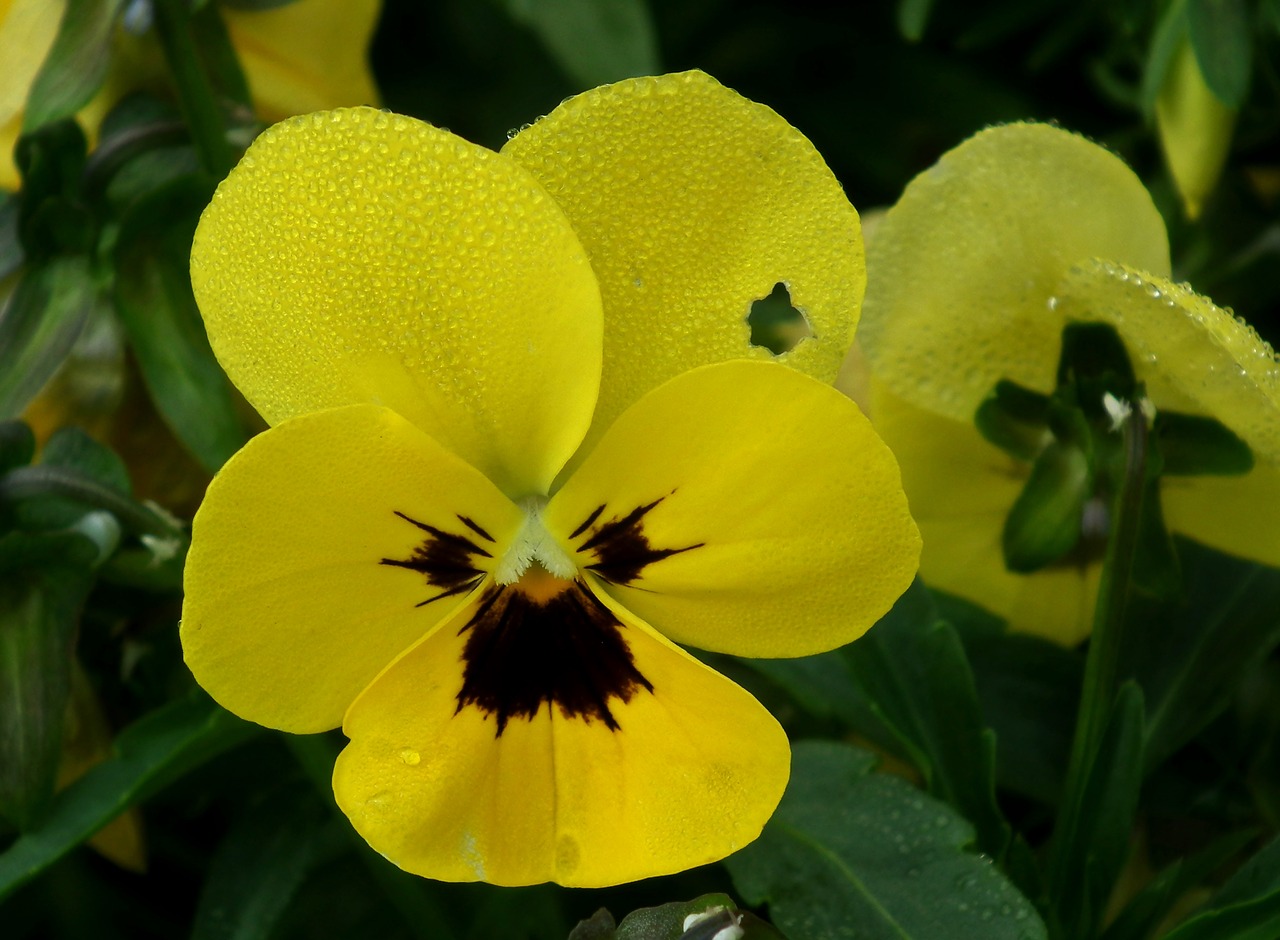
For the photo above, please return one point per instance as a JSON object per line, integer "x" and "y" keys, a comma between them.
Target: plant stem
{"x": 29, "y": 482}
{"x": 199, "y": 101}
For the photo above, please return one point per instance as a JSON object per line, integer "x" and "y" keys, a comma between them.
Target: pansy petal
{"x": 691, "y": 772}
{"x": 27, "y": 31}
{"x": 964, "y": 268}
{"x": 1179, "y": 339}
{"x": 306, "y": 57}
{"x": 745, "y": 508}
{"x": 1236, "y": 515}
{"x": 358, "y": 256}
{"x": 290, "y": 609}
{"x": 693, "y": 202}
{"x": 960, "y": 489}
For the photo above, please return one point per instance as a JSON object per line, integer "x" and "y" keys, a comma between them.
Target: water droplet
{"x": 410, "y": 757}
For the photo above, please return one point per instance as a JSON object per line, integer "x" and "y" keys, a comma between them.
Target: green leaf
{"x": 262, "y": 863}
{"x": 39, "y": 612}
{"x": 1191, "y": 655}
{"x": 594, "y": 41}
{"x": 1144, "y": 913}
{"x": 852, "y": 853}
{"x": 1223, "y": 43}
{"x": 159, "y": 313}
{"x": 1169, "y": 34}
{"x": 1092, "y": 840}
{"x": 918, "y": 680}
{"x": 11, "y": 254}
{"x": 1247, "y": 907}
{"x": 39, "y": 324}
{"x": 77, "y": 63}
{"x": 17, "y": 445}
{"x": 72, "y": 449}
{"x": 148, "y": 754}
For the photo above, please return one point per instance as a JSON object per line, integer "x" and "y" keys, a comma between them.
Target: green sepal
{"x": 1094, "y": 361}
{"x": 52, "y": 218}
{"x": 1194, "y": 445}
{"x": 41, "y": 592}
{"x": 1045, "y": 522}
{"x": 76, "y": 67}
{"x": 1015, "y": 419}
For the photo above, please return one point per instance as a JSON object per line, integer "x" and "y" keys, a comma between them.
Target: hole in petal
{"x": 775, "y": 324}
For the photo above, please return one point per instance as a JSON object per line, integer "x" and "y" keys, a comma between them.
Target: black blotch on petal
{"x": 446, "y": 558}
{"x": 621, "y": 548}
{"x": 567, "y": 651}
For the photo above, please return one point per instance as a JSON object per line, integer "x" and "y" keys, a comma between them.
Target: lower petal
{"x": 679, "y": 774}
{"x": 311, "y": 561}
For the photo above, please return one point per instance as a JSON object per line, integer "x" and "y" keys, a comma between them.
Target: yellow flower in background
{"x": 297, "y": 58}
{"x": 972, "y": 277}
{"x": 521, "y": 446}
{"x": 1195, "y": 130}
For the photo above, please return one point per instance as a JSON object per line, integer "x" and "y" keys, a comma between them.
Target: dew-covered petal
{"x": 1179, "y": 340}
{"x": 745, "y": 508}
{"x": 306, "y": 57}
{"x": 358, "y": 256}
{"x": 963, "y": 270}
{"x": 290, "y": 609}
{"x": 692, "y": 203}
{"x": 960, "y": 489}
{"x": 683, "y": 772}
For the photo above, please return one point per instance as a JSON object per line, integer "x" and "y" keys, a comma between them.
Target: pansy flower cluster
{"x": 520, "y": 448}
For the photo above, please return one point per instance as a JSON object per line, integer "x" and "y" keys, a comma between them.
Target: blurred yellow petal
{"x": 744, "y": 508}
{"x": 358, "y": 256}
{"x": 1239, "y": 515}
{"x": 692, "y": 203}
{"x": 290, "y": 609}
{"x": 965, "y": 267}
{"x": 27, "y": 30}
{"x": 681, "y": 774}
{"x": 960, "y": 489}
{"x": 1178, "y": 339}
{"x": 307, "y": 56}
{"x": 1195, "y": 130}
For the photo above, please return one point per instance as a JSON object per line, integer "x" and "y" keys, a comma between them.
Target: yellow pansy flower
{"x": 1195, "y": 130}
{"x": 972, "y": 277}
{"x": 521, "y": 447}
{"x": 297, "y": 58}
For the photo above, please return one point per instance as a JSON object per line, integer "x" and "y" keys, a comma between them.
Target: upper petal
{"x": 692, "y": 203}
{"x": 294, "y": 600}
{"x": 685, "y": 771}
{"x": 359, "y": 256}
{"x": 745, "y": 508}
{"x": 964, "y": 267}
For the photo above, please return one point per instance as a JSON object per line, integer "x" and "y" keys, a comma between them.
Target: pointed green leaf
{"x": 1168, "y": 35}
{"x": 1194, "y": 444}
{"x": 39, "y": 323}
{"x": 154, "y": 299}
{"x": 153, "y": 751}
{"x": 1223, "y": 43}
{"x": 1247, "y": 907}
{"x": 77, "y": 63}
{"x": 854, "y": 853}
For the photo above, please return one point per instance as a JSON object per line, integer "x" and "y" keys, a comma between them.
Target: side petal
{"x": 960, "y": 489}
{"x": 358, "y": 256}
{"x": 294, "y": 598}
{"x": 693, "y": 202}
{"x": 307, "y": 57}
{"x": 1186, "y": 348}
{"x": 690, "y": 773}
{"x": 744, "y": 508}
{"x": 964, "y": 268}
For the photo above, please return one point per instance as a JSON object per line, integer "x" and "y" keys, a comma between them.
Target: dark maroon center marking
{"x": 621, "y": 548}
{"x": 566, "y": 649}
{"x": 446, "y": 558}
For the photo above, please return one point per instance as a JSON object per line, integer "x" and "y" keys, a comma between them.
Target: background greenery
{"x": 241, "y": 836}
